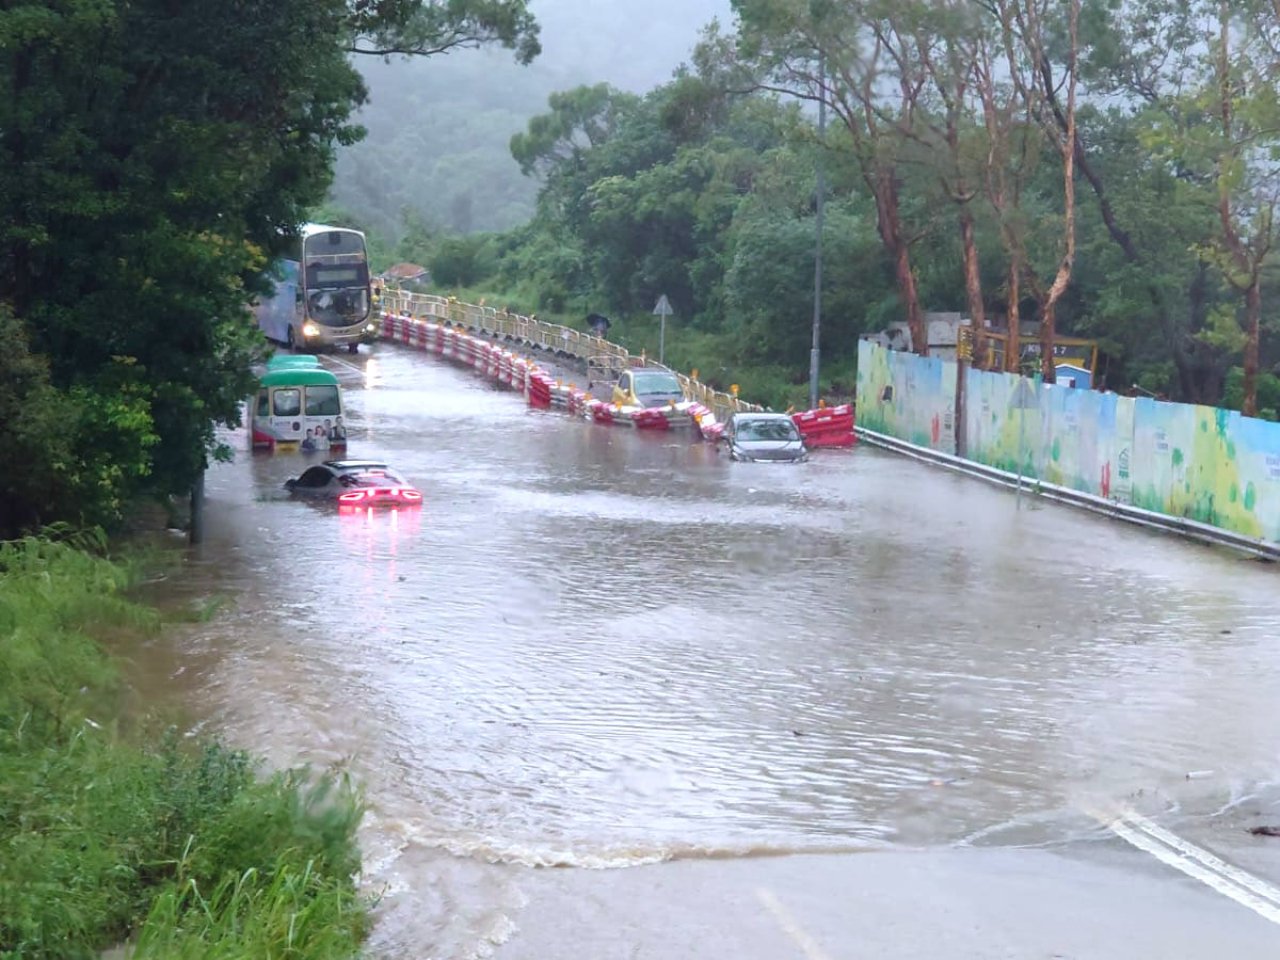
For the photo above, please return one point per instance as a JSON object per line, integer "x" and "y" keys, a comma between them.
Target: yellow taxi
{"x": 647, "y": 387}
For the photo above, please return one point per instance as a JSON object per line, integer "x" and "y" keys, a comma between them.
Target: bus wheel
{"x": 353, "y": 348}
{"x": 289, "y": 340}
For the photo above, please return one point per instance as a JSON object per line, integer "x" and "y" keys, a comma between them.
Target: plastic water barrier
{"x": 827, "y": 426}
{"x": 824, "y": 427}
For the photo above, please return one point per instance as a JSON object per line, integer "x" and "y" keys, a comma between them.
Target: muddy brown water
{"x": 597, "y": 648}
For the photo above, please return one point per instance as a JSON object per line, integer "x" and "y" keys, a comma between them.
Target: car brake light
{"x": 355, "y": 496}
{"x": 411, "y": 494}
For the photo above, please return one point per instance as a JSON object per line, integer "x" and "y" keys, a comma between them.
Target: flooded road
{"x": 593, "y": 647}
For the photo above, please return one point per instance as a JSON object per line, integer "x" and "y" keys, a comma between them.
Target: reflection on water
{"x": 597, "y": 647}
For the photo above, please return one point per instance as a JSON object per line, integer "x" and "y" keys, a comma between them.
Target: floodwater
{"x": 597, "y": 648}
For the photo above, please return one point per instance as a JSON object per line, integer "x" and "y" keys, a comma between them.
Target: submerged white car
{"x": 355, "y": 483}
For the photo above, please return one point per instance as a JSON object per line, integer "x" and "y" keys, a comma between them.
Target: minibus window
{"x": 287, "y": 403}
{"x": 322, "y": 402}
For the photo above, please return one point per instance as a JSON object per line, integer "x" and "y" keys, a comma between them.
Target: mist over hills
{"x": 438, "y": 129}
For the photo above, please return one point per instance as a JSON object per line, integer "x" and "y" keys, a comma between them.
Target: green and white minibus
{"x": 298, "y": 405}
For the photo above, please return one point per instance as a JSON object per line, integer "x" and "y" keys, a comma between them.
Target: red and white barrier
{"x": 824, "y": 427}
{"x": 827, "y": 426}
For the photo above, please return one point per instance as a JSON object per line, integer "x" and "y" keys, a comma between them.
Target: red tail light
{"x": 411, "y": 494}
{"x": 354, "y": 496}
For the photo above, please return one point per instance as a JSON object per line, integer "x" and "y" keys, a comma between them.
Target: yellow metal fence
{"x": 594, "y": 351}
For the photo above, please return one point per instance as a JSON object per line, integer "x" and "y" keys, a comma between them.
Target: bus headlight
{"x": 310, "y": 330}
{"x": 371, "y": 327}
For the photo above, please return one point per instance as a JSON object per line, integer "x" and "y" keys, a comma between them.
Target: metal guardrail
{"x": 593, "y": 350}
{"x": 1183, "y": 526}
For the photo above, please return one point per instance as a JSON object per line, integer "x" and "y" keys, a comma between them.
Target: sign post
{"x": 663, "y": 310}
{"x": 1025, "y": 398}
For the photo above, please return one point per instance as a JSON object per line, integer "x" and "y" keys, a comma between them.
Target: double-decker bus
{"x": 322, "y": 294}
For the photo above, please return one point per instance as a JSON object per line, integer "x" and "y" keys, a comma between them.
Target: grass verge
{"x": 179, "y": 849}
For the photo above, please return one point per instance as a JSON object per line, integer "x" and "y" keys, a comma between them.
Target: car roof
{"x": 298, "y": 377}
{"x": 345, "y": 465}
{"x": 293, "y": 361}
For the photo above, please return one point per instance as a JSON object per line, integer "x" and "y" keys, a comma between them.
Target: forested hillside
{"x": 1102, "y": 170}
{"x": 438, "y": 130}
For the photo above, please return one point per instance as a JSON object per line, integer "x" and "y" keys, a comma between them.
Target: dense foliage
{"x": 946, "y": 162}
{"x": 152, "y": 158}
{"x": 105, "y": 837}
{"x": 436, "y": 153}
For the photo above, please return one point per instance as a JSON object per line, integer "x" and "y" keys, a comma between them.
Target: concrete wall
{"x": 1198, "y": 462}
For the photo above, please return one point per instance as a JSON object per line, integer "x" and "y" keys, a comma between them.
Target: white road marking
{"x": 807, "y": 944}
{"x": 1173, "y": 851}
{"x": 1185, "y": 847}
{"x": 346, "y": 363}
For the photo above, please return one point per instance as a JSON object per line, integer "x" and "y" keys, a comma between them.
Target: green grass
{"x": 182, "y": 849}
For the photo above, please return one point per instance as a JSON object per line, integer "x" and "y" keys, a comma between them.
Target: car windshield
{"x": 378, "y": 477}
{"x": 651, "y": 383}
{"x": 767, "y": 430}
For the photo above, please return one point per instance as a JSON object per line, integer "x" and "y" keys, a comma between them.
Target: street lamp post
{"x": 815, "y": 351}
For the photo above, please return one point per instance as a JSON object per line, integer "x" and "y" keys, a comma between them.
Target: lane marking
{"x": 1182, "y": 855}
{"x": 808, "y": 946}
{"x": 1242, "y": 877}
{"x": 346, "y": 363}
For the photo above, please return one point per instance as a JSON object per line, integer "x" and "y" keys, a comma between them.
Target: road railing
{"x": 1183, "y": 526}
{"x": 596, "y": 352}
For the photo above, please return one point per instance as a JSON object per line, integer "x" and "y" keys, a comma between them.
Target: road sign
{"x": 663, "y": 309}
{"x": 1025, "y": 396}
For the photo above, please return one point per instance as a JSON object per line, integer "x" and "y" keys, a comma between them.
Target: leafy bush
{"x": 101, "y": 838}
{"x": 463, "y": 261}
{"x": 1268, "y": 392}
{"x": 37, "y": 433}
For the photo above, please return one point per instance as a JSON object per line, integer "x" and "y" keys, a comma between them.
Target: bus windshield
{"x": 336, "y": 277}
{"x": 332, "y": 243}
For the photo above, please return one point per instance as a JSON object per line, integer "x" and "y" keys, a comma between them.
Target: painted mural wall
{"x": 908, "y": 397}
{"x": 1199, "y": 462}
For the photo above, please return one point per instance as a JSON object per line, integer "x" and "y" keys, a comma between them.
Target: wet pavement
{"x": 597, "y": 648}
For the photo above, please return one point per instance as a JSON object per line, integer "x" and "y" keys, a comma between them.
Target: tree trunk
{"x": 890, "y": 227}
{"x": 973, "y": 288}
{"x": 1013, "y": 341}
{"x": 19, "y": 283}
{"x": 1048, "y": 313}
{"x": 1048, "y": 335}
{"x": 1253, "y": 316}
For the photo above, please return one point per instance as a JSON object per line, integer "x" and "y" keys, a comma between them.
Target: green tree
{"x": 462, "y": 261}
{"x": 1202, "y": 78}
{"x": 36, "y": 425}
{"x": 154, "y": 159}
{"x": 387, "y": 28}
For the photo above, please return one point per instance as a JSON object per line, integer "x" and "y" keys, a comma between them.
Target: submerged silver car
{"x": 771, "y": 437}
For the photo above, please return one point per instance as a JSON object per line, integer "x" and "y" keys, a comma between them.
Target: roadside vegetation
{"x": 1098, "y": 169}
{"x": 155, "y": 158}
{"x": 112, "y": 834}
